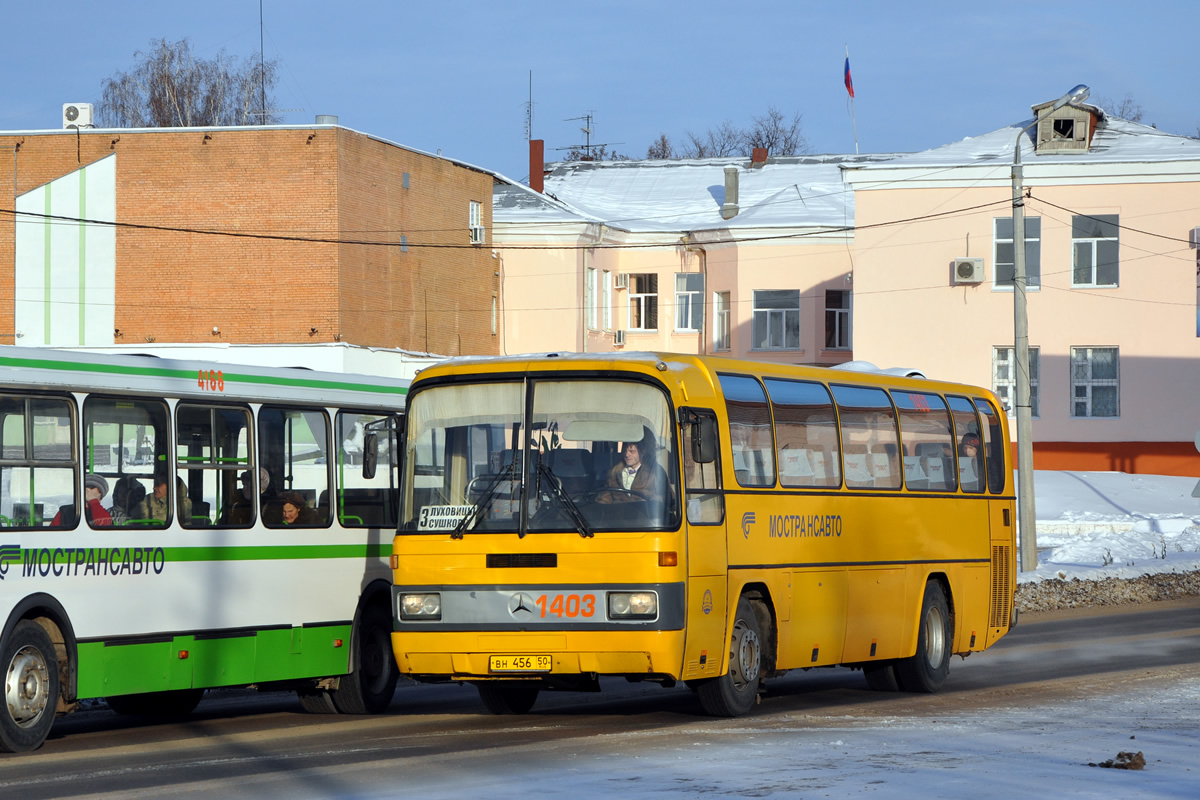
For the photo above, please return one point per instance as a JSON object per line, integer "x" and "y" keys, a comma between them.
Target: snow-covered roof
{"x": 687, "y": 194}
{"x": 1114, "y": 141}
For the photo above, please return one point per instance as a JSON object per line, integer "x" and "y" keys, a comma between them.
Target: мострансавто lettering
{"x": 795, "y": 526}
{"x": 73, "y": 561}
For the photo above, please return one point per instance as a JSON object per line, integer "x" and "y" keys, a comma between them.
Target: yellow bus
{"x": 682, "y": 518}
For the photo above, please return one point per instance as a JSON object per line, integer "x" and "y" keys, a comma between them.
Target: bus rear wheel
{"x": 369, "y": 687}
{"x": 508, "y": 697}
{"x": 735, "y": 693}
{"x": 927, "y": 669}
{"x": 30, "y": 688}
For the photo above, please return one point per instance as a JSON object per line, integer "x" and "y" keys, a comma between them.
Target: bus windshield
{"x": 540, "y": 456}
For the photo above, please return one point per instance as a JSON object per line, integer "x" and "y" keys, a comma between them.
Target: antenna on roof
{"x": 588, "y": 145}
{"x": 529, "y": 110}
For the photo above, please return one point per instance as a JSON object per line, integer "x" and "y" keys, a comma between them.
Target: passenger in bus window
{"x": 158, "y": 504}
{"x": 294, "y": 510}
{"x": 970, "y": 461}
{"x": 94, "y": 489}
{"x": 241, "y": 511}
{"x": 129, "y": 500}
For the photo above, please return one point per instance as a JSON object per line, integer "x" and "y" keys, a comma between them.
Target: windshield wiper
{"x": 485, "y": 502}
{"x": 572, "y": 510}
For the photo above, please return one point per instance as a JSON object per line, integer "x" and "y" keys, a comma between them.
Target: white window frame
{"x": 721, "y": 319}
{"x": 1033, "y": 254}
{"x": 1084, "y": 382}
{"x": 475, "y": 221}
{"x": 643, "y": 301}
{"x": 1004, "y": 378}
{"x": 779, "y": 317}
{"x": 606, "y": 300}
{"x": 590, "y": 310}
{"x": 1087, "y": 248}
{"x": 689, "y": 303}
{"x": 841, "y": 317}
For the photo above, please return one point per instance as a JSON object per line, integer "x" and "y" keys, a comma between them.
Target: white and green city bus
{"x": 192, "y": 576}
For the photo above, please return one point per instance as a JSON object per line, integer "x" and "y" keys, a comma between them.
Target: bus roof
{"x": 61, "y": 369}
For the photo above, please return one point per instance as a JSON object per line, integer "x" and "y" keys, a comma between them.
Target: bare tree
{"x": 661, "y": 148}
{"x": 780, "y": 136}
{"x": 724, "y": 140}
{"x": 170, "y": 87}
{"x": 1125, "y": 108}
{"x": 597, "y": 152}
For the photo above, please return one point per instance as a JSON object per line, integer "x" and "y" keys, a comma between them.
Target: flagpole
{"x": 850, "y": 89}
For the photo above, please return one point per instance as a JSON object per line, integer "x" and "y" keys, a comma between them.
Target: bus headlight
{"x": 421, "y": 606}
{"x": 632, "y": 605}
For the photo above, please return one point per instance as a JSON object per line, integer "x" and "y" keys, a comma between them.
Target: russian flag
{"x": 849, "y": 83}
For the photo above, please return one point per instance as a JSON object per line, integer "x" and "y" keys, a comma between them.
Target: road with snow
{"x": 1062, "y": 691}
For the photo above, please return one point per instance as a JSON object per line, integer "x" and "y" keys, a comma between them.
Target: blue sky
{"x": 455, "y": 76}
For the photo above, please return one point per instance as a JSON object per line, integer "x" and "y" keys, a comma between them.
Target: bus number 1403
{"x": 567, "y": 605}
{"x": 212, "y": 380}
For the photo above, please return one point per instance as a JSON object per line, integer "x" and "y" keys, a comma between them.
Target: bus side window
{"x": 38, "y": 475}
{"x": 703, "y": 494}
{"x": 994, "y": 446}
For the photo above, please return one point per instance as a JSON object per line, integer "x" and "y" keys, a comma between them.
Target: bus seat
{"x": 570, "y": 467}
{"x": 858, "y": 473}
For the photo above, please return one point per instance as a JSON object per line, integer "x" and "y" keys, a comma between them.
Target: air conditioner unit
{"x": 1194, "y": 238}
{"x": 619, "y": 338}
{"x": 77, "y": 115}
{"x": 968, "y": 270}
{"x": 477, "y": 234}
{"x": 622, "y": 280}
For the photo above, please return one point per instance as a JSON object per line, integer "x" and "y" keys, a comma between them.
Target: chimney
{"x": 537, "y": 165}
{"x": 758, "y": 157}
{"x": 729, "y": 208}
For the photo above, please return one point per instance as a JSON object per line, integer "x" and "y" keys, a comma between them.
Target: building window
{"x": 589, "y": 298}
{"x": 476, "y": 222}
{"x": 721, "y": 321}
{"x": 1004, "y": 380}
{"x": 403, "y": 243}
{"x": 776, "y": 319}
{"x": 1004, "y": 255}
{"x": 689, "y": 301}
{"x": 1095, "y": 242}
{"x": 643, "y": 302}
{"x": 1095, "y": 382}
{"x": 495, "y": 315}
{"x": 837, "y": 319}
{"x": 606, "y": 300}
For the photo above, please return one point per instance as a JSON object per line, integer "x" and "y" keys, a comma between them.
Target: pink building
{"x": 900, "y": 260}
{"x": 1112, "y": 300}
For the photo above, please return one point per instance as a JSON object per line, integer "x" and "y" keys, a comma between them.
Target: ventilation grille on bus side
{"x": 505, "y": 560}
{"x": 1001, "y": 586}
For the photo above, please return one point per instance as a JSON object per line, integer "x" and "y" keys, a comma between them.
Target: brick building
{"x": 281, "y": 234}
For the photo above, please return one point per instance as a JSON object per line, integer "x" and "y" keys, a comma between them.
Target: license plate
{"x": 523, "y": 663}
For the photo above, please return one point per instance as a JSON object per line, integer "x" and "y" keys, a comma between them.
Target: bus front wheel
{"x": 30, "y": 688}
{"x": 927, "y": 669}
{"x": 369, "y": 687}
{"x": 736, "y": 692}
{"x": 508, "y": 697}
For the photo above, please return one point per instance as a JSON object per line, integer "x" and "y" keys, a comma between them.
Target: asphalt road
{"x": 241, "y": 743}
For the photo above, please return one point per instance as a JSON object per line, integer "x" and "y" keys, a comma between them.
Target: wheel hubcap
{"x": 745, "y": 657}
{"x": 935, "y": 638}
{"x": 26, "y": 685}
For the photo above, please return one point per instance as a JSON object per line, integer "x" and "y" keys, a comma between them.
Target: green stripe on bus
{"x": 162, "y": 372}
{"x": 286, "y": 552}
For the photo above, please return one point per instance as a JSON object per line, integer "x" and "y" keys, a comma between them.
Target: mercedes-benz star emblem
{"x": 520, "y": 602}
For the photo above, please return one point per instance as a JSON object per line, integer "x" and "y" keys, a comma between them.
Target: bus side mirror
{"x": 370, "y": 454}
{"x": 704, "y": 440}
